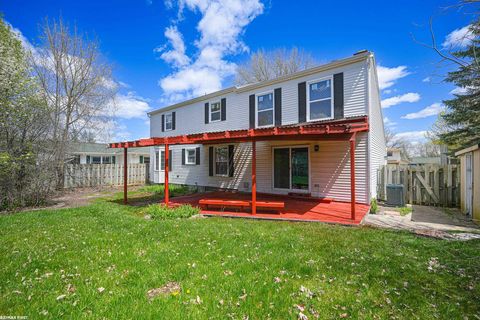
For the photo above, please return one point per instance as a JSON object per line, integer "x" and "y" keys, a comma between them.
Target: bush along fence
{"x": 429, "y": 184}
{"x": 93, "y": 175}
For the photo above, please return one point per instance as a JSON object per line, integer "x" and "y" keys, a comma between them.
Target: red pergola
{"x": 332, "y": 130}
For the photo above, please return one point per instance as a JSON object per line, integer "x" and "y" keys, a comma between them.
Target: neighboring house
{"x": 470, "y": 181}
{"x": 99, "y": 153}
{"x": 339, "y": 99}
{"x": 394, "y": 156}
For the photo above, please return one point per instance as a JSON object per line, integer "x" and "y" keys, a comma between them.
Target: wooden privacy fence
{"x": 93, "y": 175}
{"x": 429, "y": 184}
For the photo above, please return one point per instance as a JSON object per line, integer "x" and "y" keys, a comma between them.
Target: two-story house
{"x": 294, "y": 135}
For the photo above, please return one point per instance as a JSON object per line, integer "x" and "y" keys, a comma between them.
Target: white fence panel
{"x": 93, "y": 175}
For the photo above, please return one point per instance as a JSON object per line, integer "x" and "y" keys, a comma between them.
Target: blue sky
{"x": 165, "y": 51}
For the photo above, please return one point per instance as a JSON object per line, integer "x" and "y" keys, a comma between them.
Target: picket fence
{"x": 94, "y": 175}
{"x": 429, "y": 184}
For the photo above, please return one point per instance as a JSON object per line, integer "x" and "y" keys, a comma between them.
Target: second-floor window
{"x": 168, "y": 122}
{"x": 320, "y": 102}
{"x": 215, "y": 111}
{"x": 265, "y": 111}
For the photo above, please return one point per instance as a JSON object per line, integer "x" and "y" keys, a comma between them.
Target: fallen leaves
{"x": 61, "y": 297}
{"x": 433, "y": 264}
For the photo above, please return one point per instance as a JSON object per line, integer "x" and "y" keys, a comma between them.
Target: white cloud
{"x": 412, "y": 136}
{"x": 130, "y": 106}
{"x": 429, "y": 111}
{"x": 459, "y": 91}
{"x": 388, "y": 122}
{"x": 458, "y": 38}
{"x": 427, "y": 79}
{"x": 388, "y": 76}
{"x": 393, "y": 101}
{"x": 176, "y": 55}
{"x": 27, "y": 45}
{"x": 220, "y": 28}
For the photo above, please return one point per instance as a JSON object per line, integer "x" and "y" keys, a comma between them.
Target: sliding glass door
{"x": 290, "y": 168}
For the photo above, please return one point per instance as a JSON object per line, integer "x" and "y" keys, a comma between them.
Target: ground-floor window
{"x": 221, "y": 161}
{"x": 159, "y": 160}
{"x": 190, "y": 156}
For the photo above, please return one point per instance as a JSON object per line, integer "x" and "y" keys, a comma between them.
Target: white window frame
{"x": 273, "y": 109}
{"x": 210, "y": 111}
{"x": 331, "y": 98}
{"x": 186, "y": 156}
{"x": 215, "y": 160}
{"x": 171, "y": 121}
{"x": 160, "y": 167}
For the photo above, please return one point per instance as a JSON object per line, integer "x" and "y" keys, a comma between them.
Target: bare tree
{"x": 393, "y": 141}
{"x": 76, "y": 84}
{"x": 265, "y": 65}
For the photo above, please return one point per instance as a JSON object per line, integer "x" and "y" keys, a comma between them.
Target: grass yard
{"x": 99, "y": 262}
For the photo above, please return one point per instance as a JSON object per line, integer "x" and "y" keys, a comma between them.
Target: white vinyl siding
{"x": 377, "y": 149}
{"x": 191, "y": 118}
{"x": 329, "y": 167}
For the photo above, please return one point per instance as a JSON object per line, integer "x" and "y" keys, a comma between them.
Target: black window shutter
{"x": 231, "y": 167}
{"x": 302, "y": 102}
{"x": 224, "y": 109}
{"x": 251, "y": 104}
{"x": 163, "y": 122}
{"x": 210, "y": 161}
{"x": 338, "y": 96}
{"x": 197, "y": 155}
{"x": 278, "y": 106}
{"x": 173, "y": 121}
{"x": 207, "y": 112}
{"x": 183, "y": 157}
{"x": 170, "y": 160}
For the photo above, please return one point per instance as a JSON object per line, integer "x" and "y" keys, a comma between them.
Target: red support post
{"x": 352, "y": 175}
{"x": 166, "y": 194}
{"x": 125, "y": 175}
{"x": 254, "y": 177}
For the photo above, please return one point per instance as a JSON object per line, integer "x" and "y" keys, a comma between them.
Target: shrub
{"x": 373, "y": 206}
{"x": 405, "y": 210}
{"x": 158, "y": 189}
{"x": 162, "y": 212}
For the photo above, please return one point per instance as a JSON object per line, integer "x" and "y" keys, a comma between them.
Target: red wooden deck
{"x": 295, "y": 209}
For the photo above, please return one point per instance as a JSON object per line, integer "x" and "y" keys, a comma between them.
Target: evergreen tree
{"x": 463, "y": 112}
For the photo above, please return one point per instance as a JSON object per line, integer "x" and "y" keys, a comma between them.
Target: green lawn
{"x": 236, "y": 268}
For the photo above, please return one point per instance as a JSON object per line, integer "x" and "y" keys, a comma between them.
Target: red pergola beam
{"x": 308, "y": 131}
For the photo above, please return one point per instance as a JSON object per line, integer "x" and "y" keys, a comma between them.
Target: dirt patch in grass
{"x": 172, "y": 288}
